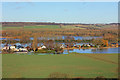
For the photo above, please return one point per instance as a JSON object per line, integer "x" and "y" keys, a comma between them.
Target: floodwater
{"x": 90, "y": 51}
{"x": 64, "y": 37}
{"x": 102, "y": 51}
{"x": 107, "y": 50}
{"x": 60, "y": 37}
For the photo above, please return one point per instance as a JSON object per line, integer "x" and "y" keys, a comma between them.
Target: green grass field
{"x": 33, "y": 27}
{"x": 0, "y": 66}
{"x": 55, "y": 27}
{"x": 43, "y": 26}
{"x": 51, "y": 27}
{"x": 71, "y": 65}
{"x": 11, "y": 28}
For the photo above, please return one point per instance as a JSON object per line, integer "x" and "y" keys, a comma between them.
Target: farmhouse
{"x": 12, "y": 47}
{"x": 43, "y": 47}
{"x": 6, "y": 48}
{"x": 15, "y": 48}
{"x": 62, "y": 46}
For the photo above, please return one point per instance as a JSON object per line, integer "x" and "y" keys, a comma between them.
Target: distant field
{"x": 58, "y": 27}
{"x": 51, "y": 27}
{"x": 43, "y": 26}
{"x": 33, "y": 27}
{"x": 72, "y": 27}
{"x": 72, "y": 65}
{"x": 11, "y": 28}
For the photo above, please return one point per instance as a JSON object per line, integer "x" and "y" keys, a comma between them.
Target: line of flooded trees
{"x": 67, "y": 39}
{"x": 24, "y": 35}
{"x": 54, "y": 46}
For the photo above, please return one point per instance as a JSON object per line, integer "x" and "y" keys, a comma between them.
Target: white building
{"x": 62, "y": 46}
{"x": 43, "y": 47}
{"x": 88, "y": 45}
{"x": 15, "y": 49}
{"x": 23, "y": 49}
{"x": 12, "y": 47}
{"x": 6, "y": 48}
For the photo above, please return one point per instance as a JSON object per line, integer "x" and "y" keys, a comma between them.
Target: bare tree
{"x": 34, "y": 44}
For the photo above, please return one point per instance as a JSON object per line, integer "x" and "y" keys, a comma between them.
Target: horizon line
{"x": 63, "y": 22}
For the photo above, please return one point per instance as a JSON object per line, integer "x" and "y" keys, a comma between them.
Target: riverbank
{"x": 72, "y": 65}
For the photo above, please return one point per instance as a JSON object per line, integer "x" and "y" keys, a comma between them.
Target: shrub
{"x": 58, "y": 75}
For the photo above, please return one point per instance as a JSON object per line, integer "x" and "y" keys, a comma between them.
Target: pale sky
{"x": 66, "y": 12}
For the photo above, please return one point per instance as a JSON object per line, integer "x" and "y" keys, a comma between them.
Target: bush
{"x": 58, "y": 75}
{"x": 45, "y": 51}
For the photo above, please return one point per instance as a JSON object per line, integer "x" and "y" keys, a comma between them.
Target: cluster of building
{"x": 15, "y": 48}
{"x": 115, "y": 45}
{"x": 22, "y": 49}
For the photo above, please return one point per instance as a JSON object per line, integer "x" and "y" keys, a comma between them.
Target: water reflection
{"x": 105, "y": 50}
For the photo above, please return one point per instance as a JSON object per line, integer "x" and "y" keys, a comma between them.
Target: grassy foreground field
{"x": 71, "y": 65}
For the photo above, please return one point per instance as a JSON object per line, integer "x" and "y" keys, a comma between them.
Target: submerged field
{"x": 70, "y": 65}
